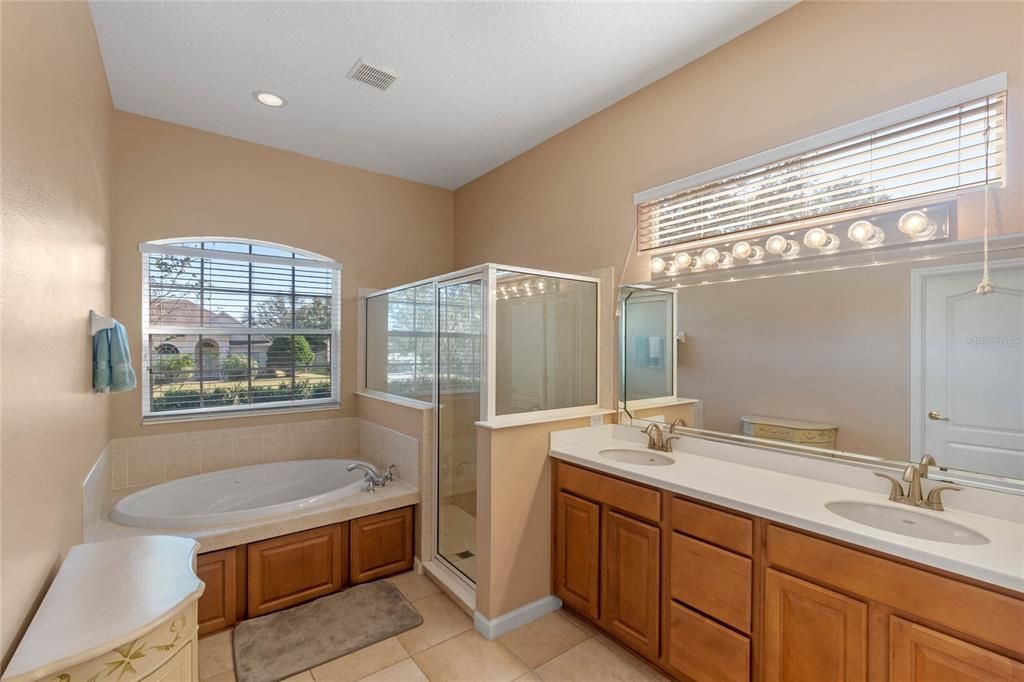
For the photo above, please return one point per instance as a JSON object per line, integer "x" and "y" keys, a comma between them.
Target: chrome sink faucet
{"x": 373, "y": 478}
{"x": 656, "y": 440}
{"x": 678, "y": 422}
{"x": 914, "y": 495}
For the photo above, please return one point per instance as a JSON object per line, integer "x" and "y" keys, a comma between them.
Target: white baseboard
{"x": 496, "y": 627}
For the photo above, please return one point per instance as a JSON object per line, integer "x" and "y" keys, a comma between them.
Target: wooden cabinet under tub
{"x": 273, "y": 574}
{"x": 709, "y": 594}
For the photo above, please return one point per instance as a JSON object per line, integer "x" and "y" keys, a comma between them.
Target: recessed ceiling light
{"x": 269, "y": 98}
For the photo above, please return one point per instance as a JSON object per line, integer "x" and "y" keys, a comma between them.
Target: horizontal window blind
{"x": 234, "y": 325}
{"x": 948, "y": 150}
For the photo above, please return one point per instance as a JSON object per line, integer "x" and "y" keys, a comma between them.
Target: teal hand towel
{"x": 112, "y": 362}
{"x": 122, "y": 376}
{"x": 101, "y": 361}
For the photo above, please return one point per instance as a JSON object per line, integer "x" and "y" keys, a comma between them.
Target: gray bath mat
{"x": 278, "y": 645}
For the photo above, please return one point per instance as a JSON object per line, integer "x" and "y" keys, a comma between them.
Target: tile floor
{"x": 446, "y": 648}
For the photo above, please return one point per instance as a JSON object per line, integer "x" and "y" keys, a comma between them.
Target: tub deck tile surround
{"x": 572, "y": 651}
{"x": 396, "y": 494}
{"x": 151, "y": 459}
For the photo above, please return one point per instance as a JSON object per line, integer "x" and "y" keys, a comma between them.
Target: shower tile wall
{"x": 382, "y": 447}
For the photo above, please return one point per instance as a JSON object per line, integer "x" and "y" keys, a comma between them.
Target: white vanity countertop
{"x": 105, "y": 595}
{"x": 800, "y": 502}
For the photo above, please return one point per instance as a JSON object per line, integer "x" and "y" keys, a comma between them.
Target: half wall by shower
{"x": 483, "y": 345}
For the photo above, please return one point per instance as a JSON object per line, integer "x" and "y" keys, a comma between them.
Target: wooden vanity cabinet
{"x": 712, "y": 595}
{"x": 921, "y": 624}
{"x": 607, "y": 554}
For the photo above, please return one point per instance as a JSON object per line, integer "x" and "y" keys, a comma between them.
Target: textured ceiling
{"x": 478, "y": 83}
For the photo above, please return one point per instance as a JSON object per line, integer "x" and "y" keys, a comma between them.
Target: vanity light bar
{"x": 899, "y": 228}
{"x": 525, "y": 287}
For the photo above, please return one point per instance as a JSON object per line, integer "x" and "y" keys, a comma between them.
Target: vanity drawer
{"x": 629, "y": 497}
{"x": 712, "y": 525}
{"x": 712, "y": 580}
{"x": 705, "y": 651}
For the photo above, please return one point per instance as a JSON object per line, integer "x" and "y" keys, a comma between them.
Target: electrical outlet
{"x": 596, "y": 419}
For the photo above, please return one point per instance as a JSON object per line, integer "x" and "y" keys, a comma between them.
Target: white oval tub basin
{"x": 239, "y": 495}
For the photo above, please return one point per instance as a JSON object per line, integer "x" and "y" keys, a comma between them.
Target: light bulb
{"x": 775, "y": 245}
{"x": 816, "y": 238}
{"x": 541, "y": 285}
{"x": 698, "y": 266}
{"x": 727, "y": 261}
{"x": 756, "y": 255}
{"x": 710, "y": 256}
{"x": 672, "y": 269}
{"x": 657, "y": 264}
{"x": 742, "y": 250}
{"x": 915, "y": 224}
{"x": 824, "y": 241}
{"x": 683, "y": 260}
{"x": 866, "y": 234}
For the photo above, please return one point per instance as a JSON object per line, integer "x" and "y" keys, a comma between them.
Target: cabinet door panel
{"x": 631, "y": 581}
{"x": 217, "y": 606}
{"x": 812, "y": 633}
{"x": 919, "y": 654}
{"x": 295, "y": 568}
{"x": 381, "y": 545}
{"x": 577, "y": 553}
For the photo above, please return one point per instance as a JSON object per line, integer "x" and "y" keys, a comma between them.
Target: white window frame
{"x": 173, "y": 247}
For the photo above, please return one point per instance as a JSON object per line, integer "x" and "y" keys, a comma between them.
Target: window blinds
{"x": 945, "y": 151}
{"x": 232, "y": 325}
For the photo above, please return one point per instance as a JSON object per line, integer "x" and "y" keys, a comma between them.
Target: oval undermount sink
{"x": 907, "y": 522}
{"x": 641, "y": 457}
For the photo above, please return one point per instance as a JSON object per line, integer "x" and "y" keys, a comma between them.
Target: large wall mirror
{"x": 886, "y": 362}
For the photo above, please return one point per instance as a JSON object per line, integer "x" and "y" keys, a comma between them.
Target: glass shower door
{"x": 460, "y": 326}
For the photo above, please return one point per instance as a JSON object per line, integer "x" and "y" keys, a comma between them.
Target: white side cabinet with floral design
{"x": 123, "y": 609}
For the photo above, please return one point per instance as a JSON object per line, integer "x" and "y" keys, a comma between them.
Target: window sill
{"x": 149, "y": 420}
{"x": 395, "y": 399}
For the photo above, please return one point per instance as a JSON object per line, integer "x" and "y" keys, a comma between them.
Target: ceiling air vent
{"x": 374, "y": 76}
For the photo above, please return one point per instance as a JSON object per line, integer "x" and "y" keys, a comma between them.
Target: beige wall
{"x": 567, "y": 203}
{"x": 55, "y": 257}
{"x": 173, "y": 181}
{"x": 513, "y": 557}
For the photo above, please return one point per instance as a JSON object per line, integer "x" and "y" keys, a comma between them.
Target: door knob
{"x": 936, "y": 417}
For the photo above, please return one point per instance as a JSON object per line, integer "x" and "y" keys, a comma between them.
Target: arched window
{"x": 259, "y": 324}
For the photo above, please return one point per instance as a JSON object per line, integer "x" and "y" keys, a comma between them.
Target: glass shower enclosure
{"x": 481, "y": 345}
